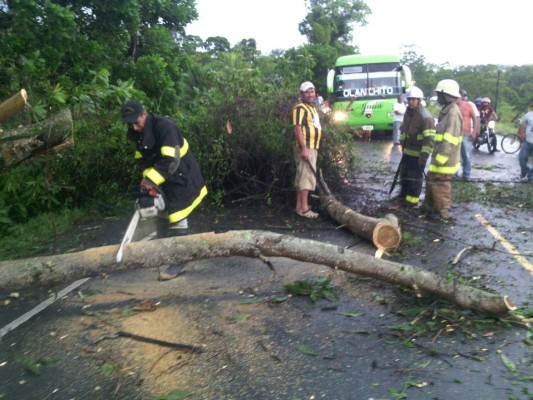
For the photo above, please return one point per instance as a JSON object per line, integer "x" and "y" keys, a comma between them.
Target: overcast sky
{"x": 450, "y": 31}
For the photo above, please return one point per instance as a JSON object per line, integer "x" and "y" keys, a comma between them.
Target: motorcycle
{"x": 487, "y": 136}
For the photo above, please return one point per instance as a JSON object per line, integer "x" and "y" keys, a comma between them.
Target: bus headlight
{"x": 339, "y": 116}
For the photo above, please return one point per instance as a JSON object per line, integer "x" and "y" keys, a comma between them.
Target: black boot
{"x": 171, "y": 272}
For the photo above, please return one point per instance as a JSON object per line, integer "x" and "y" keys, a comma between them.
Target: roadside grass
{"x": 36, "y": 236}
{"x": 47, "y": 232}
{"x": 509, "y": 195}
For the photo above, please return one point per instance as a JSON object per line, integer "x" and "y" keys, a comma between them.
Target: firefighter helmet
{"x": 448, "y": 86}
{"x": 415, "y": 93}
{"x": 486, "y": 100}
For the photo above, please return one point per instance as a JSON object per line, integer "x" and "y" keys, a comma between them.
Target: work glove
{"x": 422, "y": 162}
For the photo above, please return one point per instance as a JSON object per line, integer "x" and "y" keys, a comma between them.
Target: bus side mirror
{"x": 329, "y": 80}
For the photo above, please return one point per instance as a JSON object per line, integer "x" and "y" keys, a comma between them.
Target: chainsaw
{"x": 149, "y": 204}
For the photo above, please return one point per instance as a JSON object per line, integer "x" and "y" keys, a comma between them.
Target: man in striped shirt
{"x": 307, "y": 134}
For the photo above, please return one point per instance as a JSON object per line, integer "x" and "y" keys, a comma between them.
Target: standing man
{"x": 418, "y": 133}
{"x": 397, "y": 120}
{"x": 525, "y": 131}
{"x": 470, "y": 115}
{"x": 307, "y": 134}
{"x": 168, "y": 165}
{"x": 445, "y": 159}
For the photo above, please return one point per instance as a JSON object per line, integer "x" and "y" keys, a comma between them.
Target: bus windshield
{"x": 369, "y": 81}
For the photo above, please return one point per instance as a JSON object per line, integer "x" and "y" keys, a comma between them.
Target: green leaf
{"x": 279, "y": 299}
{"x": 29, "y": 363}
{"x": 508, "y": 363}
{"x": 357, "y": 331}
{"x": 411, "y": 312}
{"x": 306, "y": 350}
{"x": 238, "y": 317}
{"x": 354, "y": 313}
{"x": 107, "y": 370}
{"x": 127, "y": 312}
{"x": 176, "y": 395}
{"x": 379, "y": 299}
{"x": 254, "y": 300}
{"x": 317, "y": 289}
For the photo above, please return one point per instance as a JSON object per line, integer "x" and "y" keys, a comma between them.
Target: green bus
{"x": 363, "y": 90}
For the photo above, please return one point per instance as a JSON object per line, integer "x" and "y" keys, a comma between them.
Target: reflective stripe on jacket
{"x": 165, "y": 158}
{"x": 446, "y": 157}
{"x": 418, "y": 133}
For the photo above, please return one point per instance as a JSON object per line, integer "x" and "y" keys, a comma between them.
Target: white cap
{"x": 305, "y": 86}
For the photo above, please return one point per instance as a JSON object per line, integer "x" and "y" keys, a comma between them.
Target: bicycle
{"x": 511, "y": 143}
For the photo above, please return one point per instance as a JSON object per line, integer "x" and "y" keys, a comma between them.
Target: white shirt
{"x": 399, "y": 111}
{"x": 527, "y": 121}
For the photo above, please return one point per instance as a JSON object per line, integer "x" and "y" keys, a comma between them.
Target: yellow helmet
{"x": 448, "y": 86}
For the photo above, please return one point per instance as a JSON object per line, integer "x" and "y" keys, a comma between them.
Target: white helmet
{"x": 448, "y": 86}
{"x": 415, "y": 93}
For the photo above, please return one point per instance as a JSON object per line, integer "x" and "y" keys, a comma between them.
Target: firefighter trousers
{"x": 411, "y": 176}
{"x": 438, "y": 194}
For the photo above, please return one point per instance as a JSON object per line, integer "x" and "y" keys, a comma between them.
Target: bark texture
{"x": 384, "y": 232}
{"x": 52, "y": 270}
{"x": 19, "y": 145}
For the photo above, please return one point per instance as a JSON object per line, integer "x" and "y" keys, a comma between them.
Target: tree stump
{"x": 13, "y": 105}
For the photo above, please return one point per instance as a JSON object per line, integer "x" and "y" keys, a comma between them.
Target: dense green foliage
{"x": 232, "y": 102}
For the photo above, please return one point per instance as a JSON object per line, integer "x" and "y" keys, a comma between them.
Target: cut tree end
{"x": 386, "y": 236}
{"x": 509, "y": 304}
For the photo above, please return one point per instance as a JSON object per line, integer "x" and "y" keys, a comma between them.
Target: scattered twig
{"x": 266, "y": 261}
{"x": 458, "y": 256}
{"x": 157, "y": 361}
{"x": 476, "y": 358}
{"x": 424, "y": 312}
{"x": 164, "y": 343}
{"x": 271, "y": 354}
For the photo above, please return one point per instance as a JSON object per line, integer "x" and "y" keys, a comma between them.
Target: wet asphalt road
{"x": 357, "y": 347}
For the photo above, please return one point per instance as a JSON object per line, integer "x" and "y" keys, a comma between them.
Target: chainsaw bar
{"x": 129, "y": 234}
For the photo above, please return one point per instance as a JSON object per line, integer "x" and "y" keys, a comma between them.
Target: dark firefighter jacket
{"x": 418, "y": 133}
{"x": 165, "y": 158}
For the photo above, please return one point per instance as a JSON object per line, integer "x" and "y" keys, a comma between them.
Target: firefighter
{"x": 446, "y": 156}
{"x": 167, "y": 164}
{"x": 417, "y": 136}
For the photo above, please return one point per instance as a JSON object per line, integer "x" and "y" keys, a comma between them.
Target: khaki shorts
{"x": 305, "y": 178}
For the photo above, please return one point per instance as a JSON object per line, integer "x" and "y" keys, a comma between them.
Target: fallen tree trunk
{"x": 19, "y": 145}
{"x": 384, "y": 232}
{"x": 13, "y": 105}
{"x": 57, "y": 269}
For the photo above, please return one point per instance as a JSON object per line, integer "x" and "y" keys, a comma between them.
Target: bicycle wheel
{"x": 511, "y": 143}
